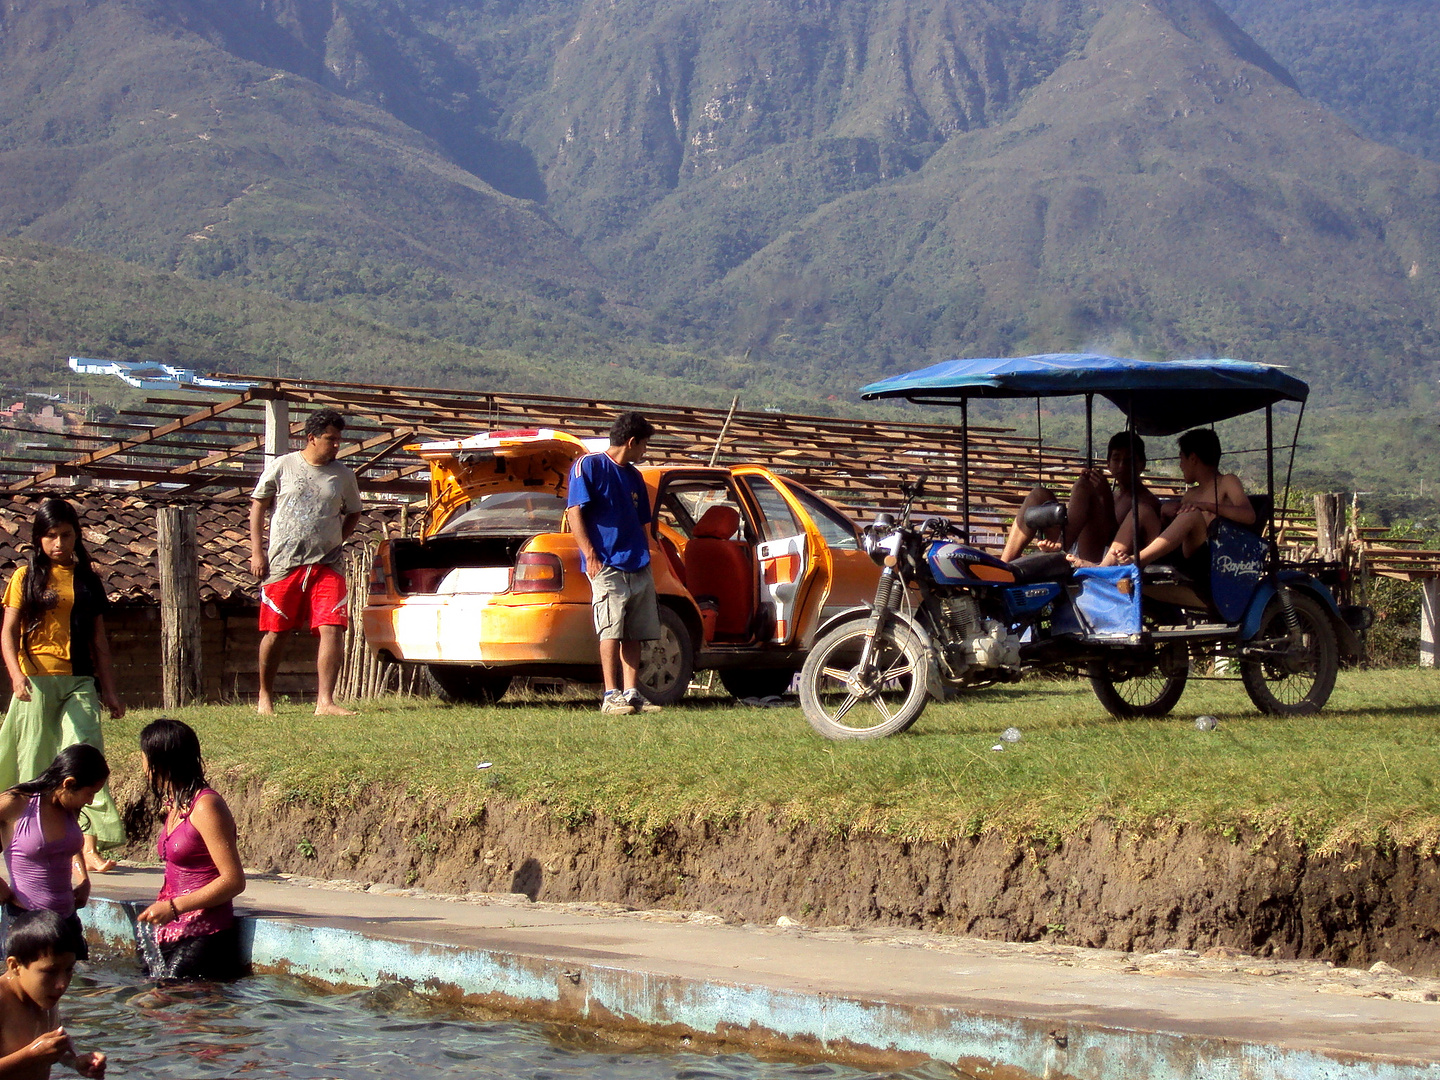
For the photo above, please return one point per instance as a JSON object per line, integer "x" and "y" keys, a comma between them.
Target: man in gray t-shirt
{"x": 313, "y": 502}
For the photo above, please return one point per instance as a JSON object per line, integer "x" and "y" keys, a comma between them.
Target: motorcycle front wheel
{"x": 1149, "y": 685}
{"x": 843, "y": 701}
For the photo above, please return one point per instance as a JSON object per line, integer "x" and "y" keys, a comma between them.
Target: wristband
{"x": 174, "y": 911}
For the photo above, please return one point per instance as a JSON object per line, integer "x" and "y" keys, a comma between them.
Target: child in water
{"x": 39, "y": 960}
{"x": 58, "y": 659}
{"x": 40, "y": 830}
{"x": 193, "y": 916}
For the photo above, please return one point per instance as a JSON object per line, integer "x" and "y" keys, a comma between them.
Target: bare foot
{"x": 97, "y": 863}
{"x": 333, "y": 710}
{"x": 264, "y": 706}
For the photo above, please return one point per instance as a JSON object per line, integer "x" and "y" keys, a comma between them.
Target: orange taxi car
{"x": 747, "y": 565}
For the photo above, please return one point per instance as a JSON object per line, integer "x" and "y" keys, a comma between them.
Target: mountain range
{"x": 802, "y": 194}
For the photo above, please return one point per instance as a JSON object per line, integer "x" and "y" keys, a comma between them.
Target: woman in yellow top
{"x": 58, "y": 658}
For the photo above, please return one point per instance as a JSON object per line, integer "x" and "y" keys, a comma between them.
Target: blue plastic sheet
{"x": 1161, "y": 397}
{"x": 1109, "y": 601}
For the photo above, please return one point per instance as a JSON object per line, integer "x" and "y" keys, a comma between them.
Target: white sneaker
{"x": 617, "y": 705}
{"x": 639, "y": 703}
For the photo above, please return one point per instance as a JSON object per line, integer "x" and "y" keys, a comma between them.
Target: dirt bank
{"x": 1108, "y": 889}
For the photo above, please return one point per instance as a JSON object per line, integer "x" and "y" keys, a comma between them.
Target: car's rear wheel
{"x": 668, "y": 663}
{"x": 466, "y": 684}
{"x": 756, "y": 682}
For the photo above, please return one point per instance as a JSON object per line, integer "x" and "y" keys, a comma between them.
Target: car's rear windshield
{"x": 508, "y": 513}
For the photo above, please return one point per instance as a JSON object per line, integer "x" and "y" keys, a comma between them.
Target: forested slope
{"x": 784, "y": 194}
{"x": 1375, "y": 62}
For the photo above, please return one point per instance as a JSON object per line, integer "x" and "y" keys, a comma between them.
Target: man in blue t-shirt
{"x": 607, "y": 510}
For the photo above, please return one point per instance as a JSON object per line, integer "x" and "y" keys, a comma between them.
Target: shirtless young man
{"x": 1212, "y": 494}
{"x": 1094, "y": 511}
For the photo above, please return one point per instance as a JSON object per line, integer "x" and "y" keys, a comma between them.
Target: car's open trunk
{"x": 426, "y": 566}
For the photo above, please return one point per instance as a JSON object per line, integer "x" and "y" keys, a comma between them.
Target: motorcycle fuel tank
{"x": 956, "y": 564}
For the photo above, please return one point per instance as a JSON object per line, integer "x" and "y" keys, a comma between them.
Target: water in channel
{"x": 276, "y": 1027}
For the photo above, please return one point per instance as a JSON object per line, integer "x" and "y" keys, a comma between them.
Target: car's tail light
{"x": 379, "y": 570}
{"x": 537, "y": 571}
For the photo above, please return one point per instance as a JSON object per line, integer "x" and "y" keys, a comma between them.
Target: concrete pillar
{"x": 1429, "y": 620}
{"x": 277, "y": 429}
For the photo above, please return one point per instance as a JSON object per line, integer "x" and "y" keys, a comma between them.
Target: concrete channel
{"x": 835, "y": 995}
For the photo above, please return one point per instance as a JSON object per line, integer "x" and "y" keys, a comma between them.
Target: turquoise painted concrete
{"x": 604, "y": 995}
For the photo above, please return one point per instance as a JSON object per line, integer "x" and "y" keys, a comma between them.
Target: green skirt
{"x": 63, "y": 710}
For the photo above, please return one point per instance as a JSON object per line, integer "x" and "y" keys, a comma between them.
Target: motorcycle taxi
{"x": 947, "y": 615}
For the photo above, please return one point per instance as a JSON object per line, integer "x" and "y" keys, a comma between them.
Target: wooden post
{"x": 179, "y": 558}
{"x": 277, "y": 429}
{"x": 1329, "y": 526}
{"x": 1429, "y": 620}
{"x": 361, "y": 673}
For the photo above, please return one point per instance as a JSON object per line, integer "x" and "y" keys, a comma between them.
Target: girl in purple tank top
{"x": 193, "y": 917}
{"x": 40, "y": 830}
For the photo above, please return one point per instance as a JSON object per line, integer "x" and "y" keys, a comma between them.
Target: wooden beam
{"x": 180, "y": 424}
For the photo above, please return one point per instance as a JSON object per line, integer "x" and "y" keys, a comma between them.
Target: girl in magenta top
{"x": 193, "y": 917}
{"x": 40, "y": 830}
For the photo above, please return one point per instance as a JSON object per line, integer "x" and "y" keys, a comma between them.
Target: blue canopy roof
{"x": 1161, "y": 397}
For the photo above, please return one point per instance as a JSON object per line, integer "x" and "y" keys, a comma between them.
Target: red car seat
{"x": 722, "y": 568}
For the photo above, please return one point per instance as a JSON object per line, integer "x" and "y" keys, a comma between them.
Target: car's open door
{"x": 794, "y": 559}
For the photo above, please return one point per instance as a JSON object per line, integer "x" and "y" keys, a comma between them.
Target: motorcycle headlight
{"x": 872, "y": 534}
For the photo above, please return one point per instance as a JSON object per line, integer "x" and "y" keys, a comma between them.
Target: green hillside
{"x": 1375, "y": 62}
{"x": 56, "y": 303}
{"x": 672, "y": 199}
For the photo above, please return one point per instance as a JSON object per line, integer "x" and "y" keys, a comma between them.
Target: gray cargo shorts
{"x": 624, "y": 604}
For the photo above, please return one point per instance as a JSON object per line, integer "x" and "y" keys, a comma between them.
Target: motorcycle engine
{"x": 986, "y": 643}
{"x": 996, "y": 647}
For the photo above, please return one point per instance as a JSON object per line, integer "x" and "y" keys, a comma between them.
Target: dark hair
{"x": 321, "y": 421}
{"x": 37, "y": 934}
{"x": 36, "y": 595}
{"x": 1203, "y": 444}
{"x": 1123, "y": 439}
{"x": 172, "y": 750}
{"x": 80, "y": 762}
{"x": 630, "y": 425}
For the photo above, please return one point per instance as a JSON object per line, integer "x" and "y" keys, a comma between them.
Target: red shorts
{"x": 316, "y": 589}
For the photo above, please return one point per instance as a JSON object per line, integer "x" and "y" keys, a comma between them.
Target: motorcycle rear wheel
{"x": 1128, "y": 692}
{"x": 1297, "y": 677}
{"x": 843, "y": 702}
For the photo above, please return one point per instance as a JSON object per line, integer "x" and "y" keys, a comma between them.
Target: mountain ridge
{"x": 814, "y": 185}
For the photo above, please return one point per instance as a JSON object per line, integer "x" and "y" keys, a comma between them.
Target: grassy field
{"x": 1366, "y": 770}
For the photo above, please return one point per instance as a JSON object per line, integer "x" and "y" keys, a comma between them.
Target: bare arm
{"x": 575, "y": 518}
{"x": 347, "y": 527}
{"x": 12, "y": 804}
{"x": 213, "y": 821}
{"x": 105, "y": 671}
{"x": 259, "y": 561}
{"x": 80, "y": 888}
{"x": 36, "y": 1056}
{"x": 10, "y": 647}
{"x": 1234, "y": 503}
